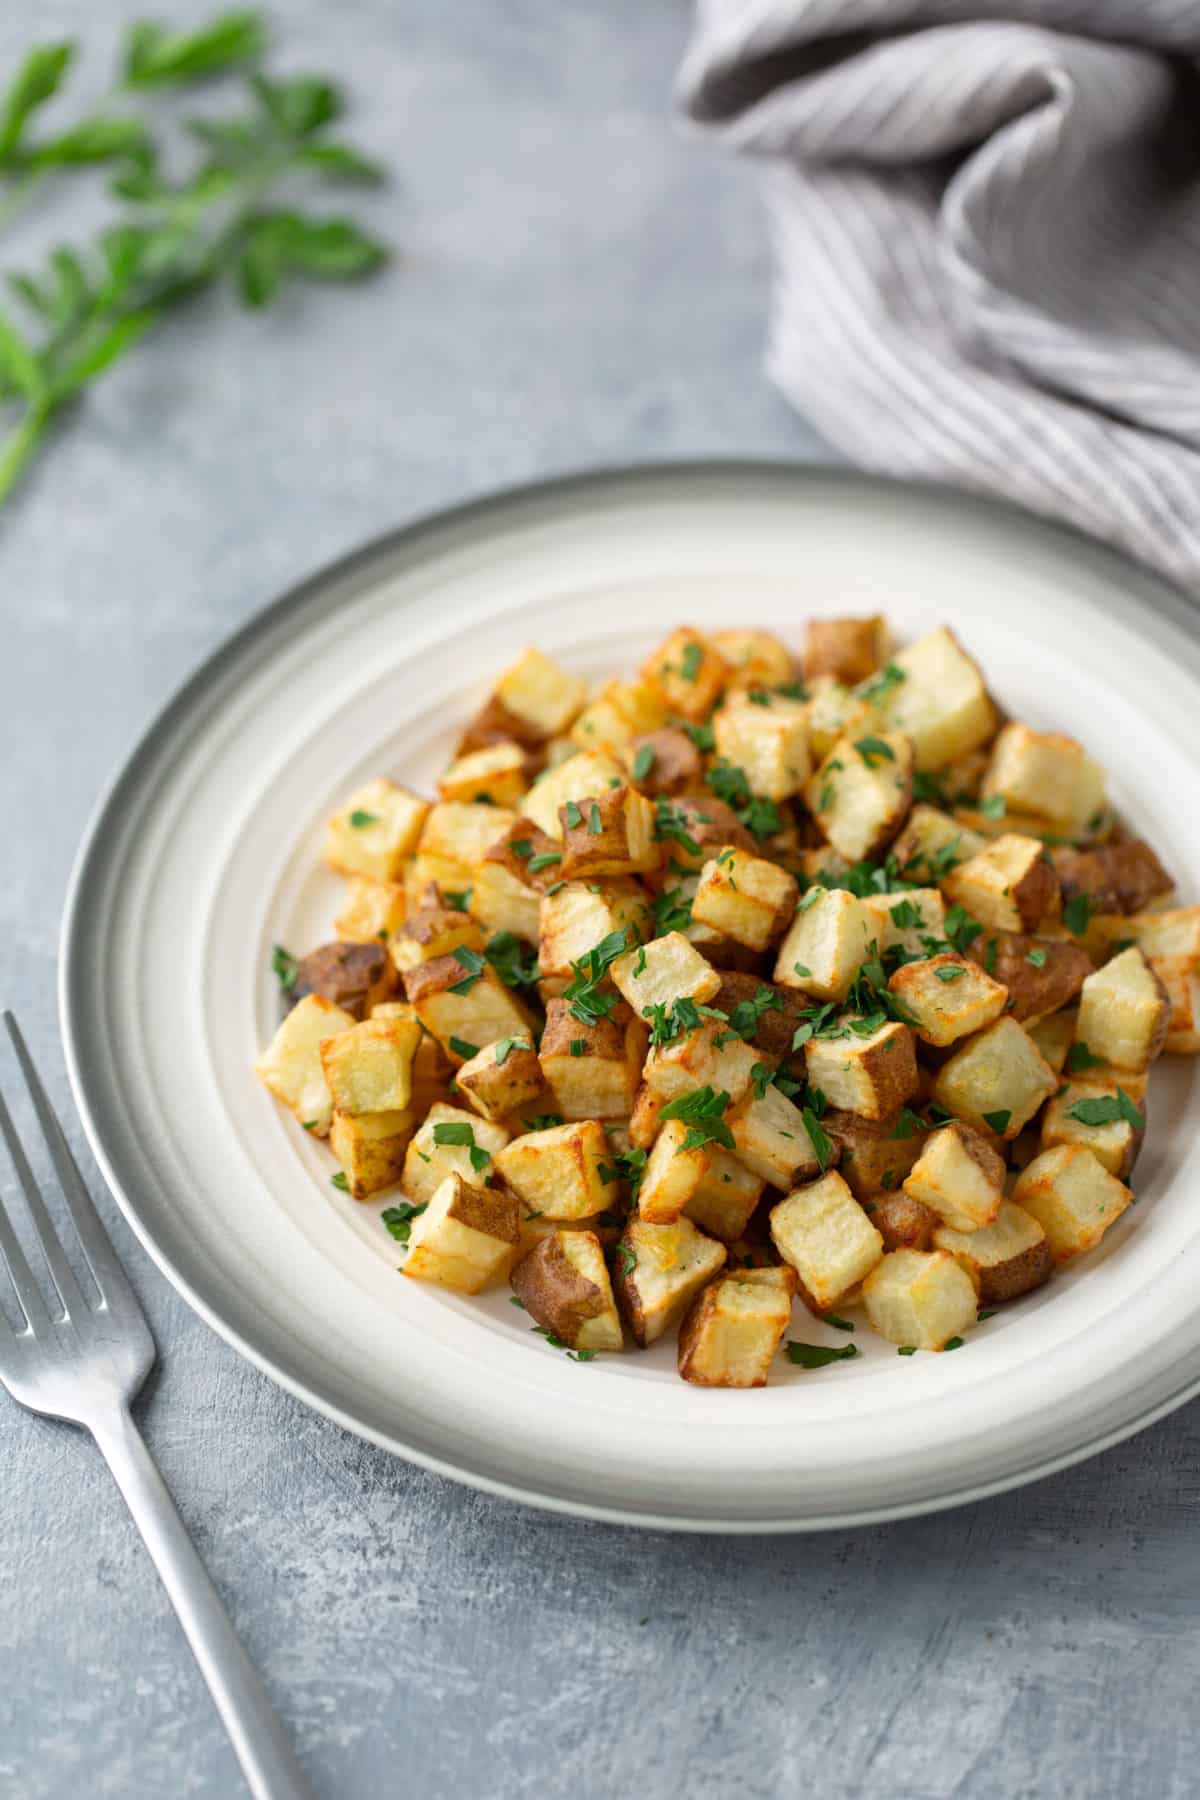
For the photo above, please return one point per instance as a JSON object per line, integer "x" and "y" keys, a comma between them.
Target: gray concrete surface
{"x": 574, "y": 284}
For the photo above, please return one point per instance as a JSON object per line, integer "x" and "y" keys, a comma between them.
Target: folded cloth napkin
{"x": 988, "y": 241}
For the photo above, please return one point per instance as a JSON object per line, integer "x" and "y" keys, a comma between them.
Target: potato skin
{"x": 1019, "y": 1275}
{"x": 712, "y": 825}
{"x": 904, "y": 1223}
{"x": 676, "y": 768}
{"x": 353, "y": 976}
{"x": 1120, "y": 878}
{"x": 1032, "y": 992}
{"x": 776, "y": 1026}
{"x": 554, "y": 1292}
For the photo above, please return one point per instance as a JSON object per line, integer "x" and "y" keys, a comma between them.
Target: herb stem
{"x": 19, "y": 446}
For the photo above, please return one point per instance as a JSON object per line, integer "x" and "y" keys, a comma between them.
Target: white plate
{"x": 207, "y": 851}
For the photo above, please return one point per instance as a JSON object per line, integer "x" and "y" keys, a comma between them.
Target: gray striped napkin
{"x": 988, "y": 241}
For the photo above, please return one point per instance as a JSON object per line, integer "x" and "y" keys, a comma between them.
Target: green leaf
{"x": 817, "y": 1356}
{"x": 39, "y": 76}
{"x": 873, "y": 750}
{"x": 299, "y": 106}
{"x": 153, "y": 55}
{"x": 1079, "y": 1057}
{"x": 1077, "y": 914}
{"x": 19, "y": 363}
{"x": 452, "y": 1133}
{"x": 283, "y": 965}
{"x": 998, "y": 1121}
{"x": 398, "y": 1219}
{"x": 95, "y": 140}
{"x": 1107, "y": 1109}
{"x": 994, "y": 807}
{"x": 106, "y": 349}
{"x": 342, "y": 163}
{"x": 643, "y": 762}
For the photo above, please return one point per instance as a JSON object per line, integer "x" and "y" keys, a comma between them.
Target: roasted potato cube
{"x": 1072, "y": 1196}
{"x": 707, "y": 824}
{"x": 1042, "y": 975}
{"x": 904, "y": 921}
{"x": 593, "y": 1071}
{"x": 443, "y": 1146}
{"x": 1181, "y": 982}
{"x": 456, "y": 837}
{"x": 666, "y": 969}
{"x": 847, "y": 649}
{"x": 744, "y": 897}
{"x": 611, "y": 833}
{"x": 825, "y": 1235}
{"x": 665, "y": 762}
{"x": 734, "y": 1327}
{"x": 947, "y": 997}
{"x": 432, "y": 1070}
{"x": 618, "y": 713}
{"x": 771, "y": 1138}
{"x": 659, "y": 1268}
{"x": 996, "y": 1081}
{"x": 1112, "y": 1140}
{"x": 563, "y": 1284}
{"x": 355, "y": 977}
{"x": 904, "y": 1223}
{"x": 726, "y": 1197}
{"x": 502, "y": 902}
{"x": 1175, "y": 932}
{"x": 959, "y": 1176}
{"x": 579, "y": 916}
{"x": 556, "y": 1172}
{"x": 577, "y": 778}
{"x": 1054, "y": 1036}
{"x": 433, "y": 930}
{"x": 1009, "y": 1257}
{"x": 769, "y": 1014}
{"x": 689, "y": 673}
{"x": 672, "y": 1175}
{"x": 368, "y": 1069}
{"x": 525, "y": 852}
{"x": 871, "y": 1075}
{"x": 371, "y": 1148}
{"x": 766, "y": 736}
{"x": 502, "y": 1077}
{"x": 462, "y": 1001}
{"x": 932, "y": 843}
{"x": 291, "y": 1065}
{"x": 541, "y": 694}
{"x": 497, "y": 774}
{"x": 862, "y": 792}
{"x": 1045, "y": 775}
{"x": 826, "y": 945}
{"x": 940, "y": 702}
{"x": 755, "y": 658}
{"x": 922, "y": 1298}
{"x": 373, "y": 911}
{"x": 644, "y": 1119}
{"x": 466, "y": 1238}
{"x": 375, "y": 831}
{"x": 835, "y": 711}
{"x": 1124, "y": 1012}
{"x": 1010, "y": 886}
{"x": 708, "y": 1057}
{"x": 875, "y": 1154}
{"x": 1114, "y": 878}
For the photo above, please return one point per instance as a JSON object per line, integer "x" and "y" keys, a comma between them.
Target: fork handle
{"x": 267, "y": 1759}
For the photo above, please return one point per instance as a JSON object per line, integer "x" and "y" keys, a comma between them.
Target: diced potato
{"x": 525, "y": 853}
{"x": 666, "y": 969}
{"x": 1175, "y": 932}
{"x": 556, "y": 1172}
{"x": 959, "y": 1176}
{"x": 456, "y": 837}
{"x": 579, "y": 916}
{"x": 372, "y": 912}
{"x": 947, "y": 997}
{"x": 774, "y": 1012}
{"x": 617, "y": 714}
{"x": 904, "y": 921}
{"x": 611, "y": 833}
{"x": 922, "y": 1298}
{"x": 1114, "y": 878}
{"x": 1072, "y": 1196}
{"x": 862, "y": 792}
{"x": 432, "y": 931}
{"x": 755, "y": 658}
{"x": 466, "y": 1238}
{"x": 726, "y": 1197}
{"x": 825, "y": 1235}
{"x": 771, "y": 1138}
{"x": 689, "y": 672}
{"x": 368, "y": 1069}
{"x": 291, "y": 1066}
{"x": 644, "y": 1119}
{"x": 826, "y": 945}
{"x": 541, "y": 694}
{"x": 1009, "y": 1257}
{"x": 356, "y": 977}
{"x": 1181, "y": 982}
{"x": 427, "y": 1162}
{"x": 941, "y": 703}
{"x": 1041, "y": 974}
{"x": 744, "y": 897}
{"x": 1010, "y": 886}
{"x": 766, "y": 736}
{"x": 872, "y": 1075}
{"x": 1054, "y": 1036}
{"x": 659, "y": 1269}
{"x": 564, "y": 1286}
{"x": 708, "y": 824}
{"x": 1115, "y": 1143}
{"x": 1124, "y": 1012}
{"x": 501, "y": 902}
{"x": 579, "y": 777}
{"x": 1046, "y": 775}
{"x": 664, "y": 762}
{"x": 904, "y": 1223}
{"x": 375, "y": 831}
{"x": 672, "y": 1175}
{"x": 497, "y": 774}
{"x": 835, "y": 711}
{"x": 462, "y": 1004}
{"x": 735, "y": 1326}
{"x": 371, "y": 1148}
{"x": 593, "y": 1071}
{"x": 996, "y": 1081}
{"x": 432, "y": 1070}
{"x": 502, "y": 1077}
{"x": 875, "y": 1154}
{"x": 847, "y": 649}
{"x": 708, "y": 1057}
{"x": 933, "y": 842}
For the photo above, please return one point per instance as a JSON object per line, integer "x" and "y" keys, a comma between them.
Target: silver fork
{"x": 86, "y": 1366}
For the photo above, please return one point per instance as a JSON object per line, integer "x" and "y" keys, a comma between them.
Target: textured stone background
{"x": 575, "y": 284}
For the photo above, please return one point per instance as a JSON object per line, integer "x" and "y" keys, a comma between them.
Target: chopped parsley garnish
{"x": 961, "y": 928}
{"x": 1079, "y": 1057}
{"x": 702, "y": 737}
{"x": 545, "y": 859}
{"x": 462, "y": 1048}
{"x": 507, "y": 1045}
{"x": 577, "y": 1046}
{"x": 643, "y": 762}
{"x": 459, "y": 899}
{"x": 989, "y": 957}
{"x": 513, "y": 960}
{"x": 816, "y": 1356}
{"x": 1077, "y": 914}
{"x": 1036, "y": 957}
{"x": 907, "y": 1350}
{"x": 339, "y": 1181}
{"x": 670, "y": 1020}
{"x": 627, "y": 1258}
{"x": 284, "y": 966}
{"x": 543, "y": 1121}
{"x": 989, "y": 1312}
{"x": 1107, "y": 1109}
{"x": 906, "y": 916}
{"x": 890, "y": 676}
{"x": 952, "y": 972}
{"x": 954, "y": 1343}
{"x": 743, "y": 1020}
{"x": 822, "y": 1148}
{"x": 572, "y": 815}
{"x": 761, "y": 1076}
{"x": 838, "y": 1324}
{"x": 998, "y": 1121}
{"x": 690, "y": 661}
{"x": 398, "y": 1219}
{"x": 702, "y": 1112}
{"x": 792, "y": 690}
{"x": 672, "y": 911}
{"x": 873, "y": 751}
{"x": 908, "y": 1123}
{"x": 594, "y": 824}
{"x": 994, "y": 807}
{"x": 360, "y": 819}
{"x": 809, "y": 899}
{"x": 452, "y": 1134}
{"x": 583, "y": 995}
{"x": 825, "y": 797}
{"x": 522, "y": 848}
{"x": 473, "y": 963}
{"x": 556, "y": 1343}
{"x": 928, "y": 788}
{"x": 730, "y": 784}
{"x": 630, "y": 1166}
{"x": 670, "y": 821}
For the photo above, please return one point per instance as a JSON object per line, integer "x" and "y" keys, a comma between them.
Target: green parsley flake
{"x": 360, "y": 820}
{"x": 817, "y": 1356}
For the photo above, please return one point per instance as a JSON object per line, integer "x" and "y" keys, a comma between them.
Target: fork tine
{"x": 21, "y": 1275}
{"x": 102, "y": 1259}
{"x": 61, "y": 1271}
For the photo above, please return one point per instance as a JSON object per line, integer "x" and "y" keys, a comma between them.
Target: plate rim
{"x": 228, "y": 652}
